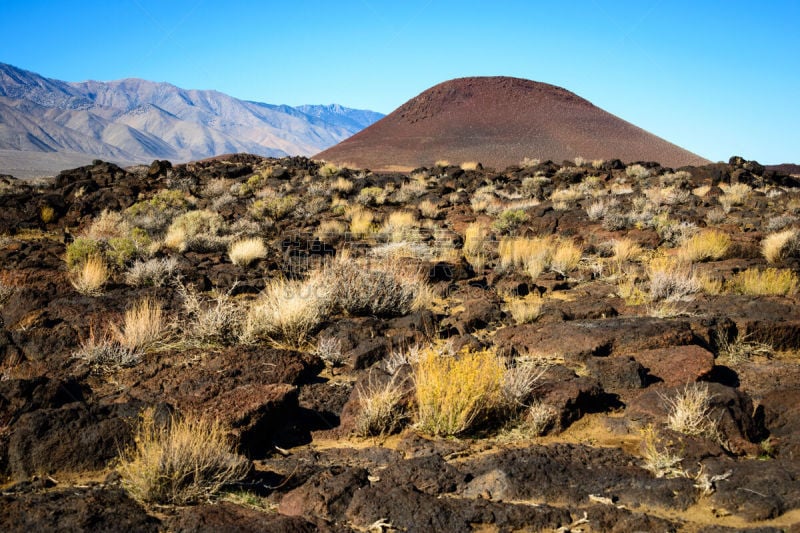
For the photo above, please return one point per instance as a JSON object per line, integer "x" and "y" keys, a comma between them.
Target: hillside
{"x": 498, "y": 121}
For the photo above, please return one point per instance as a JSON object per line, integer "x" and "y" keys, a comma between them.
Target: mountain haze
{"x": 135, "y": 120}
{"x": 498, "y": 121}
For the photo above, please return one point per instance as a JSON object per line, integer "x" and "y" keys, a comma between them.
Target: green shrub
{"x": 79, "y": 250}
{"x": 509, "y": 220}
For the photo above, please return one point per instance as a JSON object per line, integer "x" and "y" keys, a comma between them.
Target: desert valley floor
{"x": 254, "y": 344}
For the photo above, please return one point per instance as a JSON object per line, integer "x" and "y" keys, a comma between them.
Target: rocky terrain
{"x": 46, "y": 122}
{"x": 254, "y": 344}
{"x": 498, "y": 121}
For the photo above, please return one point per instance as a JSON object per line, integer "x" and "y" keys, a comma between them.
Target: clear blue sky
{"x": 716, "y": 77}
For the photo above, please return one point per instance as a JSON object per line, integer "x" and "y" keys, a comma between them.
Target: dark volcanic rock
{"x": 676, "y": 365}
{"x": 756, "y": 490}
{"x": 72, "y": 438}
{"x": 622, "y": 335}
{"x": 566, "y": 472}
{"x": 415, "y": 511}
{"x": 75, "y": 509}
{"x": 326, "y": 495}
{"x": 228, "y": 517}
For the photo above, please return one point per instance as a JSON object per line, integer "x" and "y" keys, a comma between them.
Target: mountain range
{"x": 498, "y": 121}
{"x": 48, "y": 123}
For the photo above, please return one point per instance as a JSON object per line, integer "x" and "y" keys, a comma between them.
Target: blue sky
{"x": 716, "y": 77}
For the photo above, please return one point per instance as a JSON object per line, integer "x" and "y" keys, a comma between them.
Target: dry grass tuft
{"x": 143, "y": 326}
{"x": 625, "y": 250}
{"x": 470, "y": 165}
{"x": 360, "y": 221}
{"x": 705, "y": 246}
{"x": 287, "y": 312}
{"x": 779, "y": 246}
{"x": 246, "y": 251}
{"x": 565, "y": 256}
{"x": 457, "y": 392}
{"x": 90, "y": 278}
{"x": 768, "y": 282}
{"x": 525, "y": 310}
{"x": 381, "y": 411}
{"x": 474, "y": 245}
{"x": 184, "y": 461}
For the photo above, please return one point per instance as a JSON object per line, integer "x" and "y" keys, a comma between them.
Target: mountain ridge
{"x": 136, "y": 120}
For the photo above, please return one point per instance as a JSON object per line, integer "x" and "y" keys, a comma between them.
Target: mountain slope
{"x": 498, "y": 121}
{"x": 135, "y": 120}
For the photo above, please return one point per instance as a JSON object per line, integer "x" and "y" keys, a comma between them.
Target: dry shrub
{"x": 690, "y": 412}
{"x": 328, "y": 170}
{"x": 211, "y": 320}
{"x": 442, "y": 163}
{"x": 637, "y": 172}
{"x": 704, "y": 246}
{"x": 740, "y": 349}
{"x": 103, "y": 353}
{"x": 198, "y": 231}
{"x": 455, "y": 393}
{"x": 380, "y": 287}
{"x": 380, "y": 408}
{"x": 520, "y": 252}
{"x": 107, "y": 225}
{"x": 287, "y": 311}
{"x": 736, "y": 194}
{"x": 246, "y": 251}
{"x": 184, "y": 461}
{"x": 90, "y": 278}
{"x": 537, "y": 254}
{"x": 779, "y": 246}
{"x": 470, "y": 165}
{"x": 768, "y": 282}
{"x": 658, "y": 459}
{"x": 671, "y": 279}
{"x": 143, "y": 326}
{"x": 155, "y": 272}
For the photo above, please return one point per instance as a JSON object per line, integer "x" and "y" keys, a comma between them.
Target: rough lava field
{"x": 255, "y": 344}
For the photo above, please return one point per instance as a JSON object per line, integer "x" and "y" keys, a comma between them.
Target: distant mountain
{"x": 135, "y": 120}
{"x": 498, "y": 121}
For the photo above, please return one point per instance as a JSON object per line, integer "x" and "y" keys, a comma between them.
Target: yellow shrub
{"x": 708, "y": 245}
{"x": 469, "y": 165}
{"x": 360, "y": 222}
{"x": 399, "y": 224}
{"x": 454, "y": 393}
{"x": 625, "y": 249}
{"x": 772, "y": 281}
{"x": 182, "y": 462}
